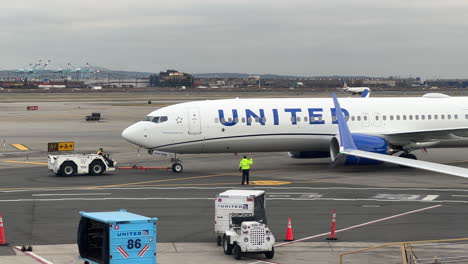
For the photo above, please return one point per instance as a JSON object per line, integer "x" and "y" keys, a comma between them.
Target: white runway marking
{"x": 430, "y": 197}
{"x": 34, "y": 256}
{"x": 68, "y": 194}
{"x": 361, "y": 225}
{"x": 459, "y": 195}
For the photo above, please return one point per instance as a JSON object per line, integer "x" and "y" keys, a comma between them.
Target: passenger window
{"x": 416, "y": 117}
{"x": 298, "y": 119}
{"x": 410, "y": 117}
{"x": 377, "y": 118}
{"x": 358, "y": 118}
{"x": 216, "y": 120}
{"x": 230, "y": 120}
{"x": 364, "y": 118}
{"x": 422, "y": 117}
{"x": 404, "y": 117}
{"x": 466, "y": 116}
{"x": 436, "y": 116}
{"x": 243, "y": 120}
{"x": 398, "y": 117}
{"x": 263, "y": 119}
{"x": 305, "y": 119}
{"x": 391, "y": 117}
{"x": 429, "y": 117}
{"x": 223, "y": 120}
{"x": 236, "y": 120}
{"x": 256, "y": 120}
{"x": 249, "y": 120}
{"x": 384, "y": 117}
{"x": 442, "y": 116}
{"x": 449, "y": 116}
{"x": 455, "y": 116}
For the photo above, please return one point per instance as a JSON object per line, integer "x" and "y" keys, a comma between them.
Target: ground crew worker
{"x": 244, "y": 166}
{"x": 100, "y": 152}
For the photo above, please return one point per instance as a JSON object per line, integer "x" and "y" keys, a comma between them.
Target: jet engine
{"x": 309, "y": 154}
{"x": 363, "y": 142}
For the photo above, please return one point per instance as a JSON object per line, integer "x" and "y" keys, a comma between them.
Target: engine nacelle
{"x": 364, "y": 143}
{"x": 309, "y": 154}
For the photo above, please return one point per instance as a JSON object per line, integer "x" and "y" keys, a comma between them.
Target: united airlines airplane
{"x": 362, "y": 91}
{"x": 353, "y": 131}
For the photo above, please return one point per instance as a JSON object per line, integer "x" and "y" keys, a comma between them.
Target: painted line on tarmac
{"x": 34, "y": 256}
{"x": 177, "y": 179}
{"x": 68, "y": 194}
{"x": 361, "y": 225}
{"x": 20, "y": 147}
{"x": 23, "y": 162}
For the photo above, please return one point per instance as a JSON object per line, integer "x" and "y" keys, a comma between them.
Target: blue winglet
{"x": 365, "y": 93}
{"x": 346, "y": 139}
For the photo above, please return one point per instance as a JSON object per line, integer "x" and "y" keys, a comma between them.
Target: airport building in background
{"x": 171, "y": 78}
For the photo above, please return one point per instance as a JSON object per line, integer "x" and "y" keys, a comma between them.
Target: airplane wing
{"x": 348, "y": 147}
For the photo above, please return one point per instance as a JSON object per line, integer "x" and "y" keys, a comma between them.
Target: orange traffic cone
{"x": 333, "y": 227}
{"x": 2, "y": 233}
{"x": 289, "y": 232}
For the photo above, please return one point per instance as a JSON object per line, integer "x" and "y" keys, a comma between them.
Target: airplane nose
{"x": 135, "y": 134}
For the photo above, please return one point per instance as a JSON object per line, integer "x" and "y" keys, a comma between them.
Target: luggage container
{"x": 117, "y": 237}
{"x": 248, "y": 203}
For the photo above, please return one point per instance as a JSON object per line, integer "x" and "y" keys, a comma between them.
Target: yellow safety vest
{"x": 245, "y": 164}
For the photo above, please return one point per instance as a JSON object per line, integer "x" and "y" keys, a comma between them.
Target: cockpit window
{"x": 156, "y": 119}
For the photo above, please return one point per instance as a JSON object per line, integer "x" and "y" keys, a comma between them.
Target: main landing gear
{"x": 408, "y": 156}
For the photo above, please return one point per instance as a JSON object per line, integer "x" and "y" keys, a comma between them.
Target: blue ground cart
{"x": 117, "y": 238}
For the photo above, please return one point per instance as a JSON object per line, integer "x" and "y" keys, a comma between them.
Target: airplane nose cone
{"x": 135, "y": 134}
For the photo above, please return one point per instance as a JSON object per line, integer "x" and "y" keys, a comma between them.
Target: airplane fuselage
{"x": 293, "y": 124}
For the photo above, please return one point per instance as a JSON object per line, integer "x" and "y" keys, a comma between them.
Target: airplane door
{"x": 194, "y": 121}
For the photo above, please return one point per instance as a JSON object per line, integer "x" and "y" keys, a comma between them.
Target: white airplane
{"x": 375, "y": 129}
{"x": 362, "y": 91}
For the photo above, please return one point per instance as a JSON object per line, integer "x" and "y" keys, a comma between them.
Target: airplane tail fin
{"x": 366, "y": 93}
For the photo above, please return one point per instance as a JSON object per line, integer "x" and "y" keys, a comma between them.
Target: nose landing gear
{"x": 176, "y": 164}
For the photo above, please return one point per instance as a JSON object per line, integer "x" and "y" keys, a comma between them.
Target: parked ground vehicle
{"x": 71, "y": 164}
{"x": 251, "y": 202}
{"x": 240, "y": 223}
{"x": 246, "y": 236}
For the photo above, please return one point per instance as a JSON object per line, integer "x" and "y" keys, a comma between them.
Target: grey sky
{"x": 301, "y": 37}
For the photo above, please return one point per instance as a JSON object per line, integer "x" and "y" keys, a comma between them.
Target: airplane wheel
{"x": 177, "y": 167}
{"x": 408, "y": 156}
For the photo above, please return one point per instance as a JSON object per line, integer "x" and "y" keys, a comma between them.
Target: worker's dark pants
{"x": 245, "y": 176}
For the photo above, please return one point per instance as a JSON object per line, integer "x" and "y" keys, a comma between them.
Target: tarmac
{"x": 375, "y": 204}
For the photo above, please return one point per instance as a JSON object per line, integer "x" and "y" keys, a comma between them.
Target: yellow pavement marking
{"x": 166, "y": 180}
{"x": 20, "y": 146}
{"x": 24, "y": 162}
{"x": 270, "y": 182}
{"x": 177, "y": 179}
